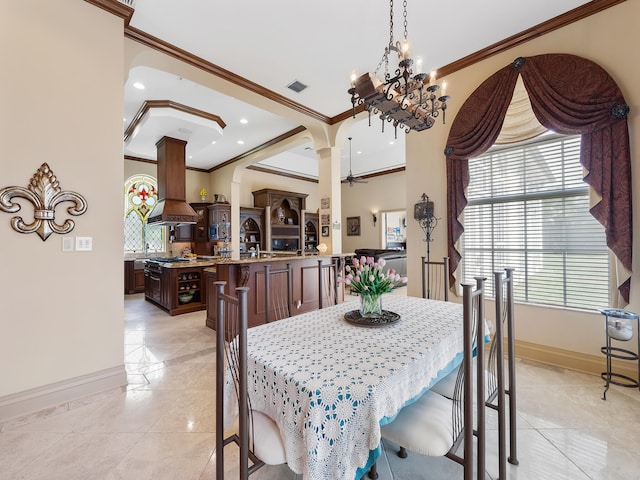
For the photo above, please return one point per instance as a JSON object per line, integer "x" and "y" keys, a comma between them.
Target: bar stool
{"x": 619, "y": 327}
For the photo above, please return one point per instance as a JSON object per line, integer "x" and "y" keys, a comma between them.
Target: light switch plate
{"x": 67, "y": 244}
{"x": 84, "y": 244}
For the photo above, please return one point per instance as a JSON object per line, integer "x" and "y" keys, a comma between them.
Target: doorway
{"x": 394, "y": 230}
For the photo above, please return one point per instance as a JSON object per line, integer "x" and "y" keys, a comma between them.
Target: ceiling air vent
{"x": 130, "y": 3}
{"x": 296, "y": 86}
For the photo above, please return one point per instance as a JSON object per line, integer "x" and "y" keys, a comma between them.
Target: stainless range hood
{"x": 172, "y": 208}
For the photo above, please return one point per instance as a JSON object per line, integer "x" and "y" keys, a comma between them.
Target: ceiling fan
{"x": 350, "y": 179}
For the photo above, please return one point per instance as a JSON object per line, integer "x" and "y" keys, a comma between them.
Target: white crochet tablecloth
{"x": 328, "y": 383}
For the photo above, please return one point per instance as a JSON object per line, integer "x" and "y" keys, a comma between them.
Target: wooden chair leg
{"x": 402, "y": 453}
{"x": 373, "y": 472}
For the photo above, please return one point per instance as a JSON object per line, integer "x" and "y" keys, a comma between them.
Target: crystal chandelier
{"x": 403, "y": 99}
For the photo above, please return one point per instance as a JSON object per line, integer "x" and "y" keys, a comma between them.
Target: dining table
{"x": 330, "y": 384}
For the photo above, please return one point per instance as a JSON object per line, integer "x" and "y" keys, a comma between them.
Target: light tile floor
{"x": 162, "y": 425}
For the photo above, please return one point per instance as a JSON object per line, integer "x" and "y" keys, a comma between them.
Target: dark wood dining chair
{"x": 278, "y": 292}
{"x": 435, "y": 279}
{"x": 327, "y": 283}
{"x": 435, "y": 425}
{"x": 495, "y": 389}
{"x": 257, "y": 436}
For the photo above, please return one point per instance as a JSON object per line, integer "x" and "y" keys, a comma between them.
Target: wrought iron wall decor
{"x": 45, "y": 194}
{"x": 423, "y": 213}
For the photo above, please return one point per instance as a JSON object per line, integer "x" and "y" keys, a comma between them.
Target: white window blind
{"x": 529, "y": 209}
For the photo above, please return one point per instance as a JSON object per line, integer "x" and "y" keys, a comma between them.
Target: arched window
{"x": 140, "y": 196}
{"x": 571, "y": 96}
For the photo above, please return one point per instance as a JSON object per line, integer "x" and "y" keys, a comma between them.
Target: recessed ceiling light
{"x": 138, "y": 85}
{"x": 124, "y": 119}
{"x": 190, "y": 157}
{"x": 358, "y": 152}
{"x": 244, "y": 121}
{"x": 240, "y": 142}
{"x": 391, "y": 142}
{"x": 213, "y": 143}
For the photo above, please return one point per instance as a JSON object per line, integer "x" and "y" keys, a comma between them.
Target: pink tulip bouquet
{"x": 366, "y": 277}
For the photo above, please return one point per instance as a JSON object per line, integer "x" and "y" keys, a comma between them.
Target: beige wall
{"x": 610, "y": 39}
{"x": 62, "y": 103}
{"x": 377, "y": 195}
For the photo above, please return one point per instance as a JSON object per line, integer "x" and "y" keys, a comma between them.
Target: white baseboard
{"x": 580, "y": 362}
{"x": 55, "y": 394}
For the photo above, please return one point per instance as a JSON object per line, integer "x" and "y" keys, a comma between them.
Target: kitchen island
{"x": 177, "y": 285}
{"x": 250, "y": 273}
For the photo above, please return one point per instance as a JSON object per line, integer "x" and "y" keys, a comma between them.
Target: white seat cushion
{"x": 424, "y": 427}
{"x": 268, "y": 445}
{"x": 446, "y": 386}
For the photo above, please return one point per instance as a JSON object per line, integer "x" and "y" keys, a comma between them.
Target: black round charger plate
{"x": 385, "y": 318}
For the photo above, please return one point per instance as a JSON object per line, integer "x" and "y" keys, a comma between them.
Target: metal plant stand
{"x": 619, "y": 327}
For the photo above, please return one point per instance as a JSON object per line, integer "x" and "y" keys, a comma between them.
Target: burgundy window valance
{"x": 569, "y": 95}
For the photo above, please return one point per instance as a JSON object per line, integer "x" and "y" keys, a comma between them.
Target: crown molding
{"x": 281, "y": 174}
{"x": 149, "y": 104}
{"x": 125, "y": 12}
{"x": 536, "y": 31}
{"x": 578, "y": 13}
{"x": 383, "y": 172}
{"x": 173, "y": 51}
{"x": 259, "y": 148}
{"x": 115, "y": 7}
{"x": 146, "y": 160}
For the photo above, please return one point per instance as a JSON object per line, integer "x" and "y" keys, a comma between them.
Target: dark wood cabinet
{"x": 251, "y": 273}
{"x": 283, "y": 212}
{"x": 251, "y": 228}
{"x": 138, "y": 281}
{"x": 133, "y": 277}
{"x": 176, "y": 290}
{"x": 183, "y": 233}
{"x": 200, "y": 231}
{"x": 153, "y": 285}
{"x": 219, "y": 221}
{"x": 311, "y": 232}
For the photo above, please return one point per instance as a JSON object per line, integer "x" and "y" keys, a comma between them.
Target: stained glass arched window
{"x": 140, "y": 196}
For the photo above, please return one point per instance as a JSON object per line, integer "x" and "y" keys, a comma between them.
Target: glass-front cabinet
{"x": 251, "y": 227}
{"x": 311, "y": 232}
{"x": 283, "y": 212}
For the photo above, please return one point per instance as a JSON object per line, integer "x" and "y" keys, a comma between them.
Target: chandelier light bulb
{"x": 353, "y": 78}
{"x": 432, "y": 77}
{"x": 405, "y": 49}
{"x": 444, "y": 89}
{"x": 418, "y": 64}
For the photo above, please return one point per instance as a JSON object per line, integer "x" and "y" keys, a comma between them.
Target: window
{"x": 140, "y": 196}
{"x": 529, "y": 209}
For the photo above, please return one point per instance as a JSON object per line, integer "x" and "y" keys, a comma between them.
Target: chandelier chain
{"x": 404, "y": 5}
{"x": 390, "y": 23}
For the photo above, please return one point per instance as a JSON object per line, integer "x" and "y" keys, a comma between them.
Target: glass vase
{"x": 370, "y": 305}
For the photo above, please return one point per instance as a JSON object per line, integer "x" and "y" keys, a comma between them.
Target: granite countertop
{"x": 186, "y": 263}
{"x": 279, "y": 258}
{"x": 190, "y": 264}
{"x": 211, "y": 261}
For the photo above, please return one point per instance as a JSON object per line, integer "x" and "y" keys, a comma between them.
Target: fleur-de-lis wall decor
{"x": 45, "y": 194}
